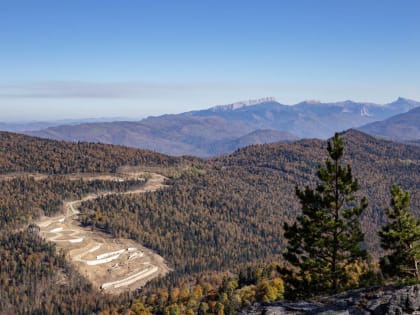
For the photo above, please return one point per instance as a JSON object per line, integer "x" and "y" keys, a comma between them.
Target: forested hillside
{"x": 34, "y": 277}
{"x": 232, "y": 209}
{"x": 23, "y": 153}
{"x": 215, "y": 217}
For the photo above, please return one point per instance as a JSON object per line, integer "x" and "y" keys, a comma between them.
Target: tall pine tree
{"x": 325, "y": 239}
{"x": 401, "y": 237}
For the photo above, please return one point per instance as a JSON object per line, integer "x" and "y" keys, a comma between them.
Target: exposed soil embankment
{"x": 111, "y": 264}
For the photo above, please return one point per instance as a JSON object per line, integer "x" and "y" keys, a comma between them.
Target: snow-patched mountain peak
{"x": 241, "y": 104}
{"x": 364, "y": 112}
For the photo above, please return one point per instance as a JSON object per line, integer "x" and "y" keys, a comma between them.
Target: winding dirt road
{"x": 111, "y": 264}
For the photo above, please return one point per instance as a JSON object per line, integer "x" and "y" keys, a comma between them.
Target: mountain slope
{"x": 259, "y": 136}
{"x": 402, "y": 127}
{"x": 230, "y": 210}
{"x": 214, "y": 215}
{"x": 21, "y": 153}
{"x": 173, "y": 134}
{"x": 36, "y": 176}
{"x": 215, "y": 131}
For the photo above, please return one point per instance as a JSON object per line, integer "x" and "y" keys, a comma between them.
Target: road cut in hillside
{"x": 111, "y": 264}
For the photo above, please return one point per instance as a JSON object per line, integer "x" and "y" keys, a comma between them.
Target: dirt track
{"x": 111, "y": 264}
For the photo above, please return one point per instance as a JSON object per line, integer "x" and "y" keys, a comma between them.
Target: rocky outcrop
{"x": 375, "y": 301}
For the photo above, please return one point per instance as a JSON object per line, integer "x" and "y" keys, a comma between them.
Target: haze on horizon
{"x": 83, "y": 59}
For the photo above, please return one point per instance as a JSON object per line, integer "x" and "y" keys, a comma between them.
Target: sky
{"x": 102, "y": 58}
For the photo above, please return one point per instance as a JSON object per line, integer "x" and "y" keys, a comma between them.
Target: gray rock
{"x": 331, "y": 312}
{"x": 408, "y": 299}
{"x": 278, "y": 310}
{"x": 372, "y": 301}
{"x": 379, "y": 305}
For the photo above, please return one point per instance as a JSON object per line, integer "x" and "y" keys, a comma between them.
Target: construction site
{"x": 111, "y": 264}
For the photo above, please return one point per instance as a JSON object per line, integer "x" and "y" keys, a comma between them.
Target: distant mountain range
{"x": 222, "y": 129}
{"x": 309, "y": 119}
{"x": 402, "y": 127}
{"x": 19, "y": 126}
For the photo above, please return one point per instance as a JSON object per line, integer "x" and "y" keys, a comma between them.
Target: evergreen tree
{"x": 401, "y": 237}
{"x": 325, "y": 239}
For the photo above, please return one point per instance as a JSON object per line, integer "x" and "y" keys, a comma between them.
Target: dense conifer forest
{"x": 218, "y": 223}
{"x": 235, "y": 206}
{"x": 22, "y": 153}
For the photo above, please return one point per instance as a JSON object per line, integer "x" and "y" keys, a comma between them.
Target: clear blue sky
{"x": 96, "y": 58}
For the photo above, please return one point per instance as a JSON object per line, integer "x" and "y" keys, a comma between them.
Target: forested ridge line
{"x": 20, "y": 153}
{"x": 216, "y": 215}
